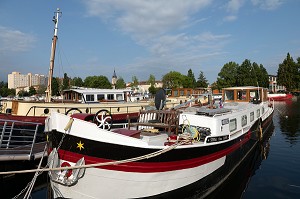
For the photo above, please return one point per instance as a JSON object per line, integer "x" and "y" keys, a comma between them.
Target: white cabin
{"x": 92, "y": 95}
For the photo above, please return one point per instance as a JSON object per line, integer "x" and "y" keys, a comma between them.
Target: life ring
{"x": 69, "y": 171}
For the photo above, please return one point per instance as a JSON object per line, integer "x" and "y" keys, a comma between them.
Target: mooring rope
{"x": 30, "y": 185}
{"x": 147, "y": 156}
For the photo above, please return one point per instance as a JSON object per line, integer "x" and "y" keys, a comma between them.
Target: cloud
{"x": 15, "y": 40}
{"x": 234, "y": 5}
{"x": 230, "y": 18}
{"x": 146, "y": 19}
{"x": 267, "y": 4}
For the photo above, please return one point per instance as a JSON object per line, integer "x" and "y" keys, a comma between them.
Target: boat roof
{"x": 96, "y": 91}
{"x": 243, "y": 88}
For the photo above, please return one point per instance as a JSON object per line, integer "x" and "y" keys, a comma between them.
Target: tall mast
{"x": 52, "y": 57}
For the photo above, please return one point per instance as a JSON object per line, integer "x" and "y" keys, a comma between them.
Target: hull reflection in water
{"x": 236, "y": 184}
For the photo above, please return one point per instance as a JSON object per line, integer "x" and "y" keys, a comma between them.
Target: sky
{"x": 146, "y": 37}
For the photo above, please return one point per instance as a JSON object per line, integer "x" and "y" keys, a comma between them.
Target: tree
{"x": 187, "y": 82}
{"x": 288, "y": 73}
{"x": 97, "y": 82}
{"x": 120, "y": 83}
{"x": 77, "y": 81}
{"x": 246, "y": 76}
{"x": 227, "y": 76}
{"x": 55, "y": 86}
{"x": 191, "y": 79}
{"x": 214, "y": 86}
{"x": 23, "y": 93}
{"x": 134, "y": 83}
{"x": 298, "y": 74}
{"x": 5, "y": 91}
{"x": 41, "y": 89}
{"x": 32, "y": 91}
{"x": 151, "y": 80}
{"x": 202, "y": 81}
{"x": 172, "y": 79}
{"x": 152, "y": 90}
{"x": 261, "y": 75}
{"x": 66, "y": 82}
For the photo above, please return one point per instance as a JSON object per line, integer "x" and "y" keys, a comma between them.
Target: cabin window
{"x": 241, "y": 95}
{"x": 244, "y": 120}
{"x": 225, "y": 121}
{"x": 100, "y": 97}
{"x": 232, "y": 125}
{"x": 175, "y": 93}
{"x": 188, "y": 93}
{"x": 253, "y": 94}
{"x": 262, "y": 110}
{"x": 258, "y": 113}
{"x": 110, "y": 96}
{"x": 119, "y": 96}
{"x": 90, "y": 98}
{"x": 229, "y": 95}
{"x": 251, "y": 116}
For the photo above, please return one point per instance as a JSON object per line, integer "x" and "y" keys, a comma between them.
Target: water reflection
{"x": 237, "y": 183}
{"x": 289, "y": 119}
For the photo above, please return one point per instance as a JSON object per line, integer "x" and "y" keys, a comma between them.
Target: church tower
{"x": 114, "y": 80}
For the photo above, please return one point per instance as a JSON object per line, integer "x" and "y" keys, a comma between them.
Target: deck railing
{"x": 20, "y": 140}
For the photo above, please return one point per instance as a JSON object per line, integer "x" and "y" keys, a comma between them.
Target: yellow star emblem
{"x": 80, "y": 145}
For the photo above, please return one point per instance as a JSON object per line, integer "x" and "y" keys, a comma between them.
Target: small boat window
{"x": 232, "y": 125}
{"x": 229, "y": 95}
{"x": 262, "y": 110}
{"x": 89, "y": 98}
{"x": 119, "y": 96}
{"x": 244, "y": 120}
{"x": 100, "y": 97}
{"x": 110, "y": 96}
{"x": 241, "y": 95}
{"x": 175, "y": 93}
{"x": 253, "y": 94}
{"x": 188, "y": 93}
{"x": 251, "y": 116}
{"x": 225, "y": 121}
{"x": 258, "y": 113}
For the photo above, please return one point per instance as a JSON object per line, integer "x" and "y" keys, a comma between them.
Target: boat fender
{"x": 259, "y": 132}
{"x": 69, "y": 124}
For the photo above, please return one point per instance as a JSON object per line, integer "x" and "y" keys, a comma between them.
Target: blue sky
{"x": 139, "y": 38}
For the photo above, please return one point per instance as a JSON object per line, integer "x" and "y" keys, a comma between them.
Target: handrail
{"x": 18, "y": 139}
{"x": 84, "y": 107}
{"x": 190, "y": 101}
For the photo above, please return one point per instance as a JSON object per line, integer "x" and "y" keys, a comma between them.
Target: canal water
{"x": 272, "y": 170}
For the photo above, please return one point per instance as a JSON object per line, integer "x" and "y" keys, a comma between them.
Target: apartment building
{"x": 18, "y": 80}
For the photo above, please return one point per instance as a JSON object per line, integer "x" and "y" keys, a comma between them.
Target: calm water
{"x": 271, "y": 171}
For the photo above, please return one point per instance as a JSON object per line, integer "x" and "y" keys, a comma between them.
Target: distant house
{"x": 273, "y": 86}
{"x": 143, "y": 86}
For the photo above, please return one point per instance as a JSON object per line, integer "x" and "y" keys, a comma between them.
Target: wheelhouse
{"x": 244, "y": 94}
